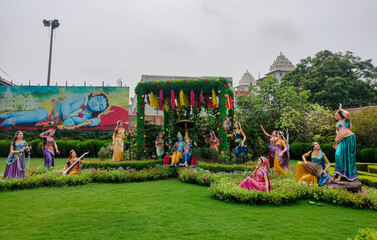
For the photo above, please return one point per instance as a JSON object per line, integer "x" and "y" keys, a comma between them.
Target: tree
{"x": 265, "y": 106}
{"x": 334, "y": 78}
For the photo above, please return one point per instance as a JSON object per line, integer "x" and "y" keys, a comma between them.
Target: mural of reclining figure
{"x": 74, "y": 110}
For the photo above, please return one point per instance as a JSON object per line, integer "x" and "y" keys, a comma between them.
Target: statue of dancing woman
{"x": 239, "y": 141}
{"x": 271, "y": 146}
{"x": 345, "y": 145}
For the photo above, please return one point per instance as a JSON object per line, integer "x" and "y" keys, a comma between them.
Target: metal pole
{"x": 49, "y": 60}
{"x": 129, "y": 142}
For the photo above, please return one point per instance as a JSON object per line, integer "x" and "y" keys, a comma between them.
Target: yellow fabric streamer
{"x": 179, "y": 106}
{"x": 214, "y": 99}
{"x": 181, "y": 98}
{"x": 156, "y": 106}
{"x": 167, "y": 103}
{"x": 153, "y": 100}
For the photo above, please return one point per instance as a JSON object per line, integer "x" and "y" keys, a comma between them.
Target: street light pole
{"x": 54, "y": 24}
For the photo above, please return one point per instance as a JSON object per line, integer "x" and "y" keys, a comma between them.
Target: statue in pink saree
{"x": 261, "y": 178}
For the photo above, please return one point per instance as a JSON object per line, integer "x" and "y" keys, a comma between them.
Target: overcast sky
{"x": 106, "y": 40}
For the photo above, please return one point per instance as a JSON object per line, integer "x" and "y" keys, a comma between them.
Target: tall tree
{"x": 334, "y": 78}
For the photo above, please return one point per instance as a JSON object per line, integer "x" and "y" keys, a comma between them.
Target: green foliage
{"x": 265, "y": 106}
{"x": 285, "y": 190}
{"x": 368, "y": 155}
{"x": 372, "y": 169}
{"x": 363, "y": 166}
{"x": 334, "y": 78}
{"x": 368, "y": 180}
{"x": 226, "y": 168}
{"x": 104, "y": 154}
{"x": 314, "y": 123}
{"x": 125, "y": 164}
{"x": 54, "y": 178}
{"x": 366, "y": 234}
{"x": 365, "y": 127}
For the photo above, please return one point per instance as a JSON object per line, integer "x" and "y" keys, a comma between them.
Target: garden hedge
{"x": 368, "y": 155}
{"x": 297, "y": 149}
{"x": 54, "y": 178}
{"x": 372, "y": 169}
{"x": 226, "y": 168}
{"x": 368, "y": 180}
{"x": 138, "y": 165}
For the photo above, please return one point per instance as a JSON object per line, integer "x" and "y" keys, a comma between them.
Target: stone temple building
{"x": 280, "y": 67}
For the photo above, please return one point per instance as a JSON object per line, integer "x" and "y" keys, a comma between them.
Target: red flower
{"x": 145, "y": 144}
{"x": 168, "y": 81}
{"x": 140, "y": 148}
{"x": 141, "y": 130}
{"x": 83, "y": 107}
{"x": 150, "y": 81}
{"x": 137, "y": 90}
{"x": 142, "y": 107}
{"x": 81, "y": 114}
{"x": 219, "y": 100}
{"x": 222, "y": 139}
{"x": 136, "y": 113}
{"x": 206, "y": 80}
{"x": 227, "y": 150}
{"x": 225, "y": 85}
{"x": 135, "y": 135}
{"x": 185, "y": 80}
{"x": 219, "y": 124}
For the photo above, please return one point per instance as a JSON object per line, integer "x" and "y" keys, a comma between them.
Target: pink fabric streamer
{"x": 161, "y": 98}
{"x": 192, "y": 98}
{"x": 209, "y": 103}
{"x": 172, "y": 99}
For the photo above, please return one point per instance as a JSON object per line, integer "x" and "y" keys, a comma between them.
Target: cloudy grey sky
{"x": 104, "y": 40}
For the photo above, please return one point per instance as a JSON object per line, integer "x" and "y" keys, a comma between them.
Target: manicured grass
{"x": 165, "y": 209}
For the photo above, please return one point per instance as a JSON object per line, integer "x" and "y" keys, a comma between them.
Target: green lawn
{"x": 165, "y": 209}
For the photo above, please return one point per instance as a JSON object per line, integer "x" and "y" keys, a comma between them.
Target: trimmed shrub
{"x": 363, "y": 166}
{"x": 226, "y": 168}
{"x": 368, "y": 155}
{"x": 54, "y": 178}
{"x": 297, "y": 149}
{"x": 368, "y": 180}
{"x": 5, "y": 147}
{"x": 329, "y": 151}
{"x": 138, "y": 165}
{"x": 372, "y": 169}
{"x": 104, "y": 154}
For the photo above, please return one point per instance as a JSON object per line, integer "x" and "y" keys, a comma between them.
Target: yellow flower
{"x": 158, "y": 81}
{"x": 179, "y": 80}
{"x": 219, "y": 91}
{"x": 196, "y": 80}
{"x": 141, "y": 117}
{"x": 135, "y": 144}
{"x": 142, "y": 82}
{"x": 217, "y": 129}
{"x": 218, "y": 113}
{"x": 145, "y": 135}
{"x": 135, "y": 126}
{"x": 142, "y": 96}
{"x": 217, "y": 79}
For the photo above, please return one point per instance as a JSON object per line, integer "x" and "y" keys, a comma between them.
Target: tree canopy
{"x": 334, "y": 78}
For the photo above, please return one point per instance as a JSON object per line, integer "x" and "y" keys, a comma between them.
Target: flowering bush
{"x": 55, "y": 178}
{"x": 224, "y": 186}
{"x": 366, "y": 234}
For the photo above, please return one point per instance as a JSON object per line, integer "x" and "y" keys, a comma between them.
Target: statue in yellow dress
{"x": 118, "y": 141}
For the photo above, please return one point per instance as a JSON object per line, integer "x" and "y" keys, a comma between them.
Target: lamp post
{"x": 53, "y": 24}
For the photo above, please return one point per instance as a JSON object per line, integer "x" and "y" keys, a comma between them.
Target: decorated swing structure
{"x": 183, "y": 95}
